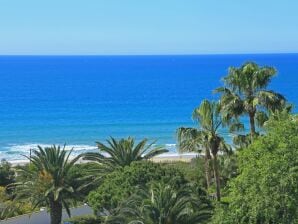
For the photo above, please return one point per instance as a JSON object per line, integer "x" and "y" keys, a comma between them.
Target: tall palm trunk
{"x": 216, "y": 176}
{"x": 55, "y": 212}
{"x": 207, "y": 168}
{"x": 252, "y": 124}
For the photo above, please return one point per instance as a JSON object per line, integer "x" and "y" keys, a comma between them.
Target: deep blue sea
{"x": 78, "y": 100}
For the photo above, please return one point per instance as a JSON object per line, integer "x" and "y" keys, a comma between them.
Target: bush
{"x": 7, "y": 174}
{"x": 84, "y": 219}
{"x": 122, "y": 183}
{"x": 193, "y": 171}
{"x": 266, "y": 189}
{"x": 8, "y": 208}
{"x": 82, "y": 171}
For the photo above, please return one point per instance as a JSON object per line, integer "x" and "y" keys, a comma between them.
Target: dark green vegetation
{"x": 49, "y": 181}
{"x": 245, "y": 93}
{"x": 122, "y": 183}
{"x": 265, "y": 191}
{"x": 206, "y": 138}
{"x": 255, "y": 183}
{"x": 163, "y": 203}
{"x": 122, "y": 153}
{"x": 8, "y": 207}
{"x": 7, "y": 174}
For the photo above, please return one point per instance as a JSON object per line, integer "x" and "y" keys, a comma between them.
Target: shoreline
{"x": 167, "y": 157}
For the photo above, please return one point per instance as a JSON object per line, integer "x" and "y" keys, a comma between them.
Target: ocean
{"x": 78, "y": 100}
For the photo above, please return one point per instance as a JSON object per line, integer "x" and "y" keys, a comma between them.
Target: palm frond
{"x": 47, "y": 181}
{"x": 122, "y": 152}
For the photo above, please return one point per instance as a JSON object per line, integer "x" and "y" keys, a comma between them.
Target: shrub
{"x": 120, "y": 184}
{"x": 8, "y": 208}
{"x": 266, "y": 189}
{"x": 7, "y": 174}
{"x": 82, "y": 173}
{"x": 193, "y": 171}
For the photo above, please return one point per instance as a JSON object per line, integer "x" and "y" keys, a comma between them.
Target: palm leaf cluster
{"x": 120, "y": 153}
{"x": 245, "y": 93}
{"x": 205, "y": 138}
{"x": 47, "y": 181}
{"x": 162, "y": 204}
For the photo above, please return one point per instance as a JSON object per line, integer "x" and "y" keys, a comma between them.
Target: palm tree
{"x": 48, "y": 181}
{"x": 245, "y": 93}
{"x": 229, "y": 167}
{"x": 206, "y": 135}
{"x": 193, "y": 140}
{"x": 162, "y": 204}
{"x": 120, "y": 153}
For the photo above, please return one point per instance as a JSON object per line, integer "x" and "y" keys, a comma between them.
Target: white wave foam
{"x": 28, "y": 146}
{"x": 171, "y": 145}
{"x": 13, "y": 153}
{"x": 16, "y": 151}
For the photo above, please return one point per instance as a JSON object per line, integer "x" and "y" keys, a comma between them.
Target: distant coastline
{"x": 166, "y": 157}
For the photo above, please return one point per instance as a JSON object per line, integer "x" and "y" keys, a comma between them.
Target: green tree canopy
{"x": 48, "y": 181}
{"x": 7, "y": 174}
{"x": 266, "y": 189}
{"x": 245, "y": 93}
{"x": 123, "y": 182}
{"x": 164, "y": 204}
{"x": 205, "y": 137}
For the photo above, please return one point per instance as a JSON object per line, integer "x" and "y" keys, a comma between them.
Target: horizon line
{"x": 141, "y": 55}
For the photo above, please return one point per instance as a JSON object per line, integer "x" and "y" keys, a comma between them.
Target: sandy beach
{"x": 167, "y": 157}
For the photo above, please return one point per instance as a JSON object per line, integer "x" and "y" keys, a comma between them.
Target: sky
{"x": 141, "y": 27}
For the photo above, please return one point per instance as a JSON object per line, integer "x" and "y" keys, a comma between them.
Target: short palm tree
{"x": 120, "y": 153}
{"x": 206, "y": 136}
{"x": 162, "y": 204}
{"x": 48, "y": 182}
{"x": 245, "y": 93}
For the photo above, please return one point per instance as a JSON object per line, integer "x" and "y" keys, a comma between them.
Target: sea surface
{"x": 78, "y": 100}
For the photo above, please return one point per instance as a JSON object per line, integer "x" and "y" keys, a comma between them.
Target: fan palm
{"x": 193, "y": 140}
{"x": 206, "y": 136}
{"x": 48, "y": 181}
{"x": 120, "y": 153}
{"x": 245, "y": 93}
{"x": 229, "y": 167}
{"x": 163, "y": 204}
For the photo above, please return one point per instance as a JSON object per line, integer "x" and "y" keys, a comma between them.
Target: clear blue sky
{"x": 148, "y": 26}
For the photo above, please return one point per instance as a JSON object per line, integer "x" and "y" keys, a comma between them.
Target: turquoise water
{"x": 79, "y": 100}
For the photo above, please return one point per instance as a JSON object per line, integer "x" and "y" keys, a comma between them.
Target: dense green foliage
{"x": 123, "y": 182}
{"x": 228, "y": 166}
{"x": 266, "y": 190}
{"x": 245, "y": 93}
{"x": 81, "y": 174}
{"x": 7, "y": 174}
{"x": 206, "y": 137}
{"x": 48, "y": 181}
{"x": 165, "y": 204}
{"x": 84, "y": 219}
{"x": 193, "y": 171}
{"x": 9, "y": 208}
